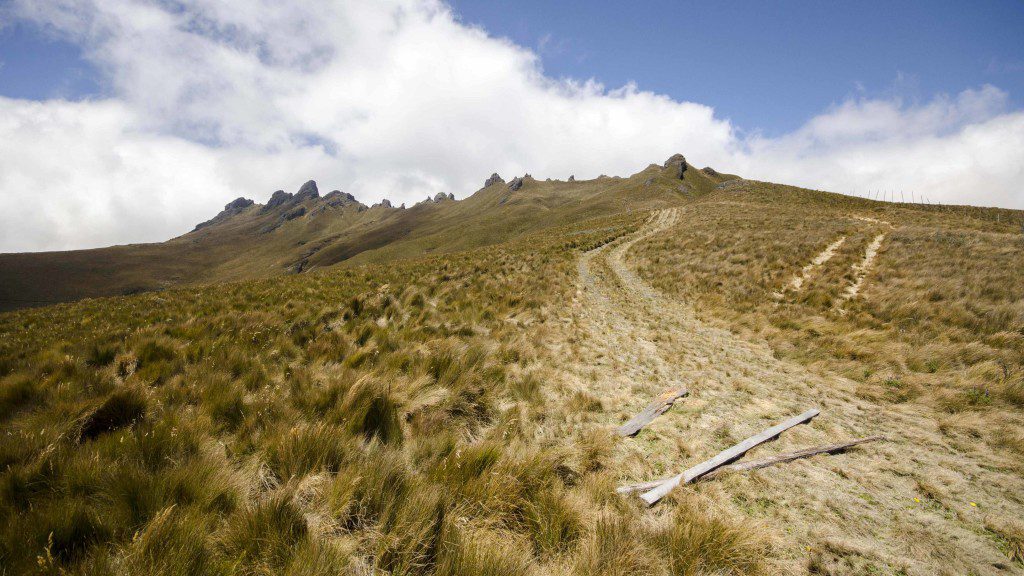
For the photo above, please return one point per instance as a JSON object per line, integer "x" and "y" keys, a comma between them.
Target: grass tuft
{"x": 371, "y": 411}
{"x": 122, "y": 408}
{"x": 263, "y": 537}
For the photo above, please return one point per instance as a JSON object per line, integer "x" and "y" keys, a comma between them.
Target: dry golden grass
{"x": 637, "y": 327}
{"x": 452, "y": 414}
{"x": 939, "y": 316}
{"x": 379, "y": 419}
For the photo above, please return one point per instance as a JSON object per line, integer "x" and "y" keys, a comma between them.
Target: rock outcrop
{"x": 736, "y": 184}
{"x": 677, "y": 160}
{"x": 237, "y": 205}
{"x": 338, "y": 198}
{"x": 307, "y": 191}
{"x": 294, "y": 213}
{"x": 572, "y": 178}
{"x": 494, "y": 179}
{"x": 278, "y": 198}
{"x": 230, "y": 209}
{"x": 710, "y": 171}
{"x": 515, "y": 184}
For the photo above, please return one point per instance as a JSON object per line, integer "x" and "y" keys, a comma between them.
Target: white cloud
{"x": 212, "y": 99}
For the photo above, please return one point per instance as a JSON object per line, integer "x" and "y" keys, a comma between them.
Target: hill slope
{"x": 304, "y": 231}
{"x": 454, "y": 412}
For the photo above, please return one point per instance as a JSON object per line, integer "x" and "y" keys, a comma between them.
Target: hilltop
{"x": 308, "y": 388}
{"x": 304, "y": 231}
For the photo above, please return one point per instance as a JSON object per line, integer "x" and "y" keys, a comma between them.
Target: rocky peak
{"x": 230, "y": 209}
{"x": 677, "y": 160}
{"x": 238, "y": 204}
{"x": 277, "y": 199}
{"x": 308, "y": 190}
{"x": 572, "y": 178}
{"x": 674, "y": 159}
{"x": 517, "y": 183}
{"x": 385, "y": 203}
{"x": 339, "y": 198}
{"x": 494, "y": 179}
{"x": 441, "y": 197}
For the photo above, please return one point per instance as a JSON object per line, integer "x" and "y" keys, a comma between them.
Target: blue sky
{"x": 765, "y": 66}
{"x": 132, "y": 120}
{"x": 771, "y": 65}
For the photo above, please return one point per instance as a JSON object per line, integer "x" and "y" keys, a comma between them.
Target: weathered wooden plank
{"x": 640, "y": 486}
{"x": 657, "y": 407}
{"x": 724, "y": 457}
{"x": 755, "y": 464}
{"x": 789, "y": 457}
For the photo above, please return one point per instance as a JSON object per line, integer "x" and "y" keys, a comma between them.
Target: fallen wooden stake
{"x": 723, "y": 457}
{"x": 630, "y": 488}
{"x": 755, "y": 464}
{"x": 656, "y": 408}
{"x": 788, "y": 457}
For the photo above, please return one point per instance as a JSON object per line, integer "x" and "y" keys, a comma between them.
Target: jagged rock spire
{"x": 308, "y": 190}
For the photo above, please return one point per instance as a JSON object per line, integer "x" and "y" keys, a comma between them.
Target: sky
{"x": 126, "y": 121}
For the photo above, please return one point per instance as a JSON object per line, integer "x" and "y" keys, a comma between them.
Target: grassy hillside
{"x": 442, "y": 400}
{"x": 309, "y": 232}
{"x": 940, "y": 309}
{"x": 378, "y": 418}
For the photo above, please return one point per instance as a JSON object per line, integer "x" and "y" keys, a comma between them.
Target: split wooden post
{"x": 657, "y": 407}
{"x": 724, "y": 457}
{"x": 789, "y": 457}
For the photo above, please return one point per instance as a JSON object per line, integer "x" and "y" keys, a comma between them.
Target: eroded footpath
{"x": 915, "y": 503}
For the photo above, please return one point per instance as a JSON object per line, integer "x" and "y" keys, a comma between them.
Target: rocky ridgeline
{"x": 230, "y": 209}
{"x": 514, "y": 184}
{"x": 288, "y": 206}
{"x": 308, "y": 202}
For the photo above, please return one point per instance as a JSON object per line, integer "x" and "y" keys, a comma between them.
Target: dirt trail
{"x": 624, "y": 342}
{"x": 860, "y": 271}
{"x": 799, "y": 279}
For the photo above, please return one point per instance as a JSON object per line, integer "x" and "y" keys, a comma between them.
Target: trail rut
{"x": 623, "y": 342}
{"x": 860, "y": 271}
{"x": 798, "y": 280}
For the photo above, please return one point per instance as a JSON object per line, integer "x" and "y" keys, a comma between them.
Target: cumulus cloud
{"x": 212, "y": 99}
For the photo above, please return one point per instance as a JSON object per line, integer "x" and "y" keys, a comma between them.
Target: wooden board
{"x": 724, "y": 457}
{"x": 789, "y": 457}
{"x": 657, "y": 407}
{"x": 755, "y": 464}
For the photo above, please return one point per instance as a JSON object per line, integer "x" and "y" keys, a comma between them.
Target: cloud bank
{"x": 214, "y": 99}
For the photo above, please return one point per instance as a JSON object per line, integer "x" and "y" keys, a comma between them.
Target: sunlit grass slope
{"x": 939, "y": 316}
{"x": 377, "y": 419}
{"x": 310, "y": 232}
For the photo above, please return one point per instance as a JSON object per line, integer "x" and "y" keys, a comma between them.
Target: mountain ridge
{"x": 301, "y": 231}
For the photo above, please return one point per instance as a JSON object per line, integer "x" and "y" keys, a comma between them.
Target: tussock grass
{"x": 1010, "y": 534}
{"x": 122, "y": 408}
{"x": 701, "y": 542}
{"x": 939, "y": 318}
{"x": 372, "y": 419}
{"x": 263, "y": 537}
{"x": 370, "y": 411}
{"x": 616, "y": 547}
{"x": 176, "y": 541}
{"x": 310, "y": 448}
